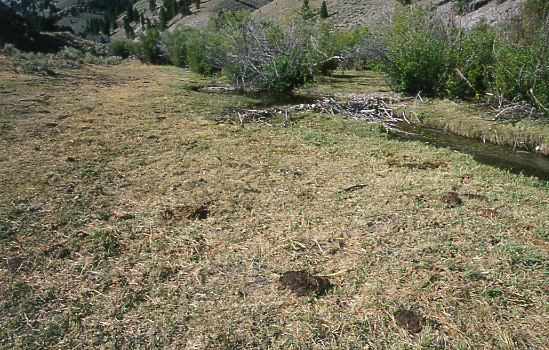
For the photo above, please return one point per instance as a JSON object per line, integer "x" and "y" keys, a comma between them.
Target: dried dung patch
{"x": 452, "y": 199}
{"x": 305, "y": 196}
{"x": 302, "y": 283}
{"x": 15, "y": 263}
{"x": 126, "y": 216}
{"x": 190, "y": 212}
{"x": 409, "y": 320}
{"x": 59, "y": 251}
{"x": 425, "y": 166}
{"x": 477, "y": 197}
{"x": 488, "y": 212}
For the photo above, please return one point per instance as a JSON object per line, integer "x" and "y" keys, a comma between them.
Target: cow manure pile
{"x": 186, "y": 212}
{"x": 410, "y": 320}
{"x": 303, "y": 283}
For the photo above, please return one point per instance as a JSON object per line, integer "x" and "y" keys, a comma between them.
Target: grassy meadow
{"x": 135, "y": 215}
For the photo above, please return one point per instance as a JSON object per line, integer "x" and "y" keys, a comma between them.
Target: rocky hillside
{"x": 199, "y": 16}
{"x": 354, "y": 13}
{"x": 344, "y": 14}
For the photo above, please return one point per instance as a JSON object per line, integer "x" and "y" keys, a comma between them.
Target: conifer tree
{"x": 197, "y": 3}
{"x": 106, "y": 26}
{"x": 152, "y": 5}
{"x": 324, "y": 10}
{"x": 163, "y": 19}
{"x": 129, "y": 13}
{"x": 306, "y": 10}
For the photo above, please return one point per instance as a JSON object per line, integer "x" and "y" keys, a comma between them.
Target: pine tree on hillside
{"x": 152, "y": 5}
{"x": 129, "y": 13}
{"x": 197, "y": 3}
{"x": 163, "y": 19}
{"x": 106, "y": 26}
{"x": 128, "y": 28}
{"x": 324, "y": 10}
{"x": 307, "y": 12}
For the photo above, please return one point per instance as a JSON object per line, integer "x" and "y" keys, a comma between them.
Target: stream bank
{"x": 388, "y": 114}
{"x": 464, "y": 118}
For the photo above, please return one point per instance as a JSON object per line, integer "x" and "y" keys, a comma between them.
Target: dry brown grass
{"x": 95, "y": 159}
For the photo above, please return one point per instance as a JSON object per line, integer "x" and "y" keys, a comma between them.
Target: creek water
{"x": 503, "y": 157}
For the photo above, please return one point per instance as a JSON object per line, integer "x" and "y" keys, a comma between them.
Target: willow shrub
{"x": 422, "y": 53}
{"x": 260, "y": 54}
{"x": 471, "y": 64}
{"x": 174, "y": 45}
{"x": 522, "y": 53}
{"x": 418, "y": 50}
{"x": 425, "y": 54}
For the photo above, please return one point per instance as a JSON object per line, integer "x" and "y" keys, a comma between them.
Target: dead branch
{"x": 368, "y": 110}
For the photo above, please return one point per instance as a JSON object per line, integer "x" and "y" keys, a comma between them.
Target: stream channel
{"x": 504, "y": 157}
{"x": 516, "y": 161}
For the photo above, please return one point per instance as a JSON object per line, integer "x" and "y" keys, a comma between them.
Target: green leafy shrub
{"x": 197, "y": 55}
{"x": 148, "y": 49}
{"x": 174, "y": 45}
{"x": 120, "y": 47}
{"x": 472, "y": 61}
{"x": 522, "y": 55}
{"x": 418, "y": 49}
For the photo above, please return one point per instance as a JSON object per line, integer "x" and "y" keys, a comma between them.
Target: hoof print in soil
{"x": 409, "y": 320}
{"x": 452, "y": 199}
{"x": 302, "y": 283}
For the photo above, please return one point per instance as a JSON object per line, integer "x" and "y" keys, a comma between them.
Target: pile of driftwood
{"x": 369, "y": 110}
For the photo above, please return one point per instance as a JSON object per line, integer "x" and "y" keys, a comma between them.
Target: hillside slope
{"x": 347, "y": 14}
{"x": 344, "y": 14}
{"x": 200, "y": 16}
